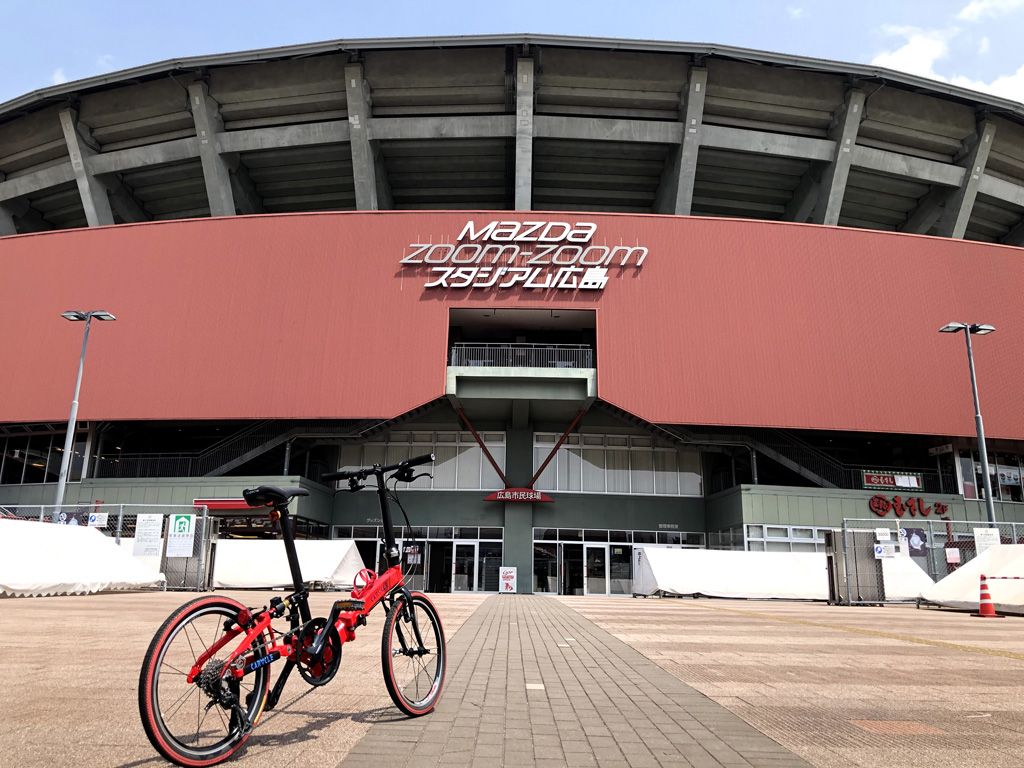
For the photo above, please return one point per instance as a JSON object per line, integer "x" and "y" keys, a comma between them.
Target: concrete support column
{"x": 216, "y": 173}
{"x": 961, "y": 202}
{"x": 517, "y": 549}
{"x": 693, "y": 120}
{"x": 363, "y": 161}
{"x": 92, "y": 191}
{"x": 7, "y": 221}
{"x": 524, "y": 135}
{"x": 845, "y": 124}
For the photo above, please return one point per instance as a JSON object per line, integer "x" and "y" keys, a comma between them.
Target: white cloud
{"x": 1007, "y": 86}
{"x": 58, "y": 76}
{"x": 917, "y": 56}
{"x": 984, "y": 47}
{"x": 976, "y": 10}
{"x": 105, "y": 63}
{"x": 795, "y": 12}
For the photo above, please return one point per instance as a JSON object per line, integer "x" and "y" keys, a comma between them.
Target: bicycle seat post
{"x": 293, "y": 559}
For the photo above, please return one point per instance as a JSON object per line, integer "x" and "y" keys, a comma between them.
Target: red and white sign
{"x": 891, "y": 480}
{"x": 223, "y": 504}
{"x": 508, "y": 580}
{"x": 518, "y": 494}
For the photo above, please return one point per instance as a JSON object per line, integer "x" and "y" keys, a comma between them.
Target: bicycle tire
{"x": 185, "y": 634}
{"x": 414, "y": 685}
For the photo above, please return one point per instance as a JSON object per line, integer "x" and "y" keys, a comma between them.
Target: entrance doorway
{"x": 439, "y": 566}
{"x": 571, "y": 567}
{"x": 464, "y": 579}
{"x": 596, "y": 570}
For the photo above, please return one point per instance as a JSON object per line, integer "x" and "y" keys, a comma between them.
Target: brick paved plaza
{"x": 560, "y": 681}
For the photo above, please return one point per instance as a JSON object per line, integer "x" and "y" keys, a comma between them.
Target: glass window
{"x": 488, "y": 476}
{"x": 396, "y": 453}
{"x": 617, "y": 441}
{"x": 1009, "y": 477}
{"x": 375, "y": 454}
{"x": 755, "y": 546}
{"x": 440, "y": 533}
{"x": 595, "y": 535}
{"x": 645, "y": 537}
{"x": 803, "y": 533}
{"x": 545, "y": 534}
{"x": 593, "y": 440}
{"x": 777, "y": 533}
{"x": 548, "y": 478}
{"x": 697, "y": 539}
{"x": 343, "y": 531}
{"x": 777, "y": 546}
{"x": 755, "y": 532}
{"x": 467, "y": 533}
{"x": 623, "y": 536}
{"x": 641, "y": 471}
{"x": 364, "y": 532}
{"x": 444, "y": 466}
{"x": 640, "y": 442}
{"x": 35, "y": 458}
{"x": 570, "y": 534}
{"x": 669, "y": 537}
{"x": 803, "y": 546}
{"x": 593, "y": 470}
{"x": 491, "y": 533}
{"x": 689, "y": 474}
{"x": 469, "y": 466}
{"x": 666, "y": 473}
{"x": 617, "y": 474}
{"x": 14, "y": 459}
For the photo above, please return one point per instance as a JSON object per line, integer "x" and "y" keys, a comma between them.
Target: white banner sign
{"x": 98, "y": 520}
{"x": 181, "y": 533}
{"x": 953, "y": 556}
{"x": 985, "y": 538}
{"x": 883, "y": 534}
{"x": 508, "y": 580}
{"x": 148, "y": 535}
{"x": 542, "y": 255}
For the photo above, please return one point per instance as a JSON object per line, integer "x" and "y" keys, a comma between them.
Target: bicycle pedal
{"x": 349, "y": 605}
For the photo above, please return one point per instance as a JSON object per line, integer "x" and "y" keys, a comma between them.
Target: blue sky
{"x": 972, "y": 43}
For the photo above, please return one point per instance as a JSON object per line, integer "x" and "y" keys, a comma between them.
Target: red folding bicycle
{"x": 205, "y": 680}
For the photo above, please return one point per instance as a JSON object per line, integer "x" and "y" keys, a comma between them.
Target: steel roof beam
{"x": 845, "y": 123}
{"x": 957, "y": 211}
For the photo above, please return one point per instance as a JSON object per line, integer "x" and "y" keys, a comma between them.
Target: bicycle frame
{"x": 345, "y": 615}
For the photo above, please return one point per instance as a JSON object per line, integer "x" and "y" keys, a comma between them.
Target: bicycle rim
{"x": 414, "y": 679}
{"x": 188, "y": 732}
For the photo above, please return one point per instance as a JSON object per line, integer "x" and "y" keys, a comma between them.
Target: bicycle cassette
{"x": 318, "y": 670}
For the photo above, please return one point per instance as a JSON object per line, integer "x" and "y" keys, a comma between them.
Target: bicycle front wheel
{"x": 182, "y": 720}
{"x": 413, "y": 654}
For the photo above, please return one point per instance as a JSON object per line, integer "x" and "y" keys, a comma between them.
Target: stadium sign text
{"x": 545, "y": 255}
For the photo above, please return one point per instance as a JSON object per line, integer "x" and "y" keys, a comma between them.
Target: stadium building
{"x": 627, "y": 292}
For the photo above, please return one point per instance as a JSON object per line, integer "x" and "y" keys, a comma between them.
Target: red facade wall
{"x": 311, "y": 315}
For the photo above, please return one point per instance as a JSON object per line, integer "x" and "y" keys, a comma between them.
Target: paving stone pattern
{"x": 531, "y": 682}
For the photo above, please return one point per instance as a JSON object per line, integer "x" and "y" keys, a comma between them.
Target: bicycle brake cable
{"x": 393, "y": 495}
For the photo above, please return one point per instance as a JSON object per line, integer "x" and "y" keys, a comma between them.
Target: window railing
{"x": 522, "y": 355}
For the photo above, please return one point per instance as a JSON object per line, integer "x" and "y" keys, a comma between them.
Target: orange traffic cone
{"x": 986, "y": 610}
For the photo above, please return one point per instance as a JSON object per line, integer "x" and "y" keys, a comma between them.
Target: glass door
{"x": 464, "y": 573}
{"x": 595, "y": 570}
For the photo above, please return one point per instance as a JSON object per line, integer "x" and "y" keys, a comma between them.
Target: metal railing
{"x": 522, "y": 355}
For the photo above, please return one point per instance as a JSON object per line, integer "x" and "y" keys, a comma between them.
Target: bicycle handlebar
{"x": 377, "y": 469}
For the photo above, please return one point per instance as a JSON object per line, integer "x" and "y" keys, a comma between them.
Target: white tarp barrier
{"x": 724, "y": 573}
{"x": 39, "y": 559}
{"x": 904, "y": 579}
{"x": 263, "y": 563}
{"x": 962, "y": 588}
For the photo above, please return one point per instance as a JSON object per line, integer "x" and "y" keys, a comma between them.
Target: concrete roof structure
{"x": 515, "y": 122}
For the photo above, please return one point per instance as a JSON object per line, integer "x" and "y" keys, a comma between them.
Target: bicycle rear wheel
{"x": 413, "y": 672}
{"x": 178, "y": 717}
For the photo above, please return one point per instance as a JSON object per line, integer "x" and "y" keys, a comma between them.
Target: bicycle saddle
{"x": 269, "y": 495}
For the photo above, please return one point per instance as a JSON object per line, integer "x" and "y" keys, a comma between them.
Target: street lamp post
{"x": 980, "y": 330}
{"x": 69, "y": 439}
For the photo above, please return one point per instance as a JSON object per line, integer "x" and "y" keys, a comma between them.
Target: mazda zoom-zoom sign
{"x": 546, "y": 255}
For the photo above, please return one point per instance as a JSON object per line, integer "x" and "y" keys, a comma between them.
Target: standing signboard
{"x": 148, "y": 530}
{"x": 181, "y": 533}
{"x": 508, "y": 580}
